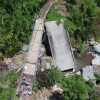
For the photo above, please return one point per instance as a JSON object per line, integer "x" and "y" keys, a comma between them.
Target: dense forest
{"x": 16, "y": 18}
{"x": 83, "y": 21}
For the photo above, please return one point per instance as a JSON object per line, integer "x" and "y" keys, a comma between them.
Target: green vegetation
{"x": 7, "y": 87}
{"x": 74, "y": 87}
{"x": 97, "y": 78}
{"x": 53, "y": 15}
{"x": 54, "y": 76}
{"x": 98, "y": 2}
{"x": 16, "y": 21}
{"x": 82, "y": 21}
{"x": 81, "y": 47}
{"x": 48, "y": 78}
{"x": 95, "y": 98}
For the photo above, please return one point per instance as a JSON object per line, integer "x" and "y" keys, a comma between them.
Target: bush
{"x": 97, "y": 78}
{"x": 95, "y": 97}
{"x": 54, "y": 76}
{"x": 85, "y": 20}
{"x": 81, "y": 46}
{"x": 75, "y": 88}
{"x": 6, "y": 83}
{"x": 12, "y": 79}
{"x": 42, "y": 79}
{"x": 48, "y": 78}
{"x": 58, "y": 21}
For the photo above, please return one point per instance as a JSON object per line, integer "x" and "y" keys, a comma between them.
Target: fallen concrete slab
{"x": 59, "y": 44}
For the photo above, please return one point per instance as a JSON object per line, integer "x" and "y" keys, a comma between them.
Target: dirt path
{"x": 46, "y": 8}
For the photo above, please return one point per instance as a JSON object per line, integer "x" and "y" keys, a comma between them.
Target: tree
{"x": 49, "y": 78}
{"x": 74, "y": 88}
{"x": 98, "y": 2}
{"x": 16, "y": 17}
{"x": 54, "y": 76}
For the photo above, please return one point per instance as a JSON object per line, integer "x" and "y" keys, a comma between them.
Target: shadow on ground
{"x": 56, "y": 96}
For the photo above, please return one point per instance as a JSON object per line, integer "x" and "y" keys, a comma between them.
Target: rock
{"x": 25, "y": 47}
{"x": 57, "y": 89}
{"x": 42, "y": 50}
{"x": 96, "y": 43}
{"x": 96, "y": 61}
{"x": 48, "y": 66}
{"x": 45, "y": 60}
{"x": 42, "y": 69}
{"x": 73, "y": 49}
{"x": 91, "y": 39}
{"x": 87, "y": 73}
{"x": 97, "y": 48}
{"x": 92, "y": 43}
{"x": 96, "y": 69}
{"x": 77, "y": 55}
{"x": 78, "y": 73}
{"x": 8, "y": 61}
{"x": 94, "y": 93}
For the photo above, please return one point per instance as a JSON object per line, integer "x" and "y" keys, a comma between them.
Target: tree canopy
{"x": 84, "y": 20}
{"x": 16, "y": 18}
{"x": 74, "y": 88}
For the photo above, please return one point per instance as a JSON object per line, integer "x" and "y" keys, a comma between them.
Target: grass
{"x": 69, "y": 25}
{"x": 13, "y": 93}
{"x": 23, "y": 60}
{"x": 53, "y": 14}
{"x": 5, "y": 84}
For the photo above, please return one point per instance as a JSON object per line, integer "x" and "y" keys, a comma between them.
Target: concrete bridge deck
{"x": 60, "y": 45}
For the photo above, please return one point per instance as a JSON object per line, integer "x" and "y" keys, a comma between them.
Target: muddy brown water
{"x": 84, "y": 59}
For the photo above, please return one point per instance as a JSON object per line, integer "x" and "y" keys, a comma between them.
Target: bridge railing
{"x": 71, "y": 47}
{"x": 18, "y": 88}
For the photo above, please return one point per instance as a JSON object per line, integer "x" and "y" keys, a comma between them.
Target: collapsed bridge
{"x": 60, "y": 45}
{"x": 60, "y": 48}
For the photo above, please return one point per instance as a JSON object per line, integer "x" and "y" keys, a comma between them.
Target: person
{"x": 29, "y": 87}
{"x": 21, "y": 89}
{"x": 15, "y": 83}
{"x": 24, "y": 77}
{"x": 24, "y": 74}
{"x": 23, "y": 82}
{"x": 30, "y": 93}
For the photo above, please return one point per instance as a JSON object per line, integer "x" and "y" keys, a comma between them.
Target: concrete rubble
{"x": 97, "y": 48}
{"x": 87, "y": 73}
{"x": 96, "y": 61}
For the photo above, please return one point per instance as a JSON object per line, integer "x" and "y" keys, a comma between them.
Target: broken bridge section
{"x": 60, "y": 45}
